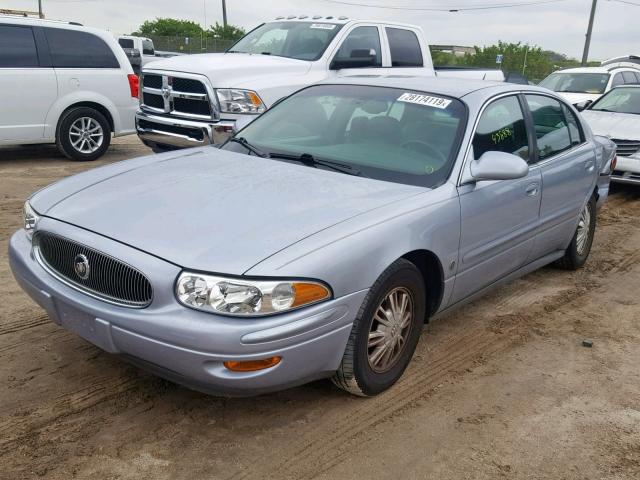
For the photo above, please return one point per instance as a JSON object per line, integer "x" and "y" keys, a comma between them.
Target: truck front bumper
{"x": 185, "y": 345}
{"x": 180, "y": 133}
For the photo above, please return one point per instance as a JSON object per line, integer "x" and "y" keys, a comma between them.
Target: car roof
{"x": 451, "y": 87}
{"x": 39, "y": 22}
{"x": 605, "y": 69}
{"x": 340, "y": 20}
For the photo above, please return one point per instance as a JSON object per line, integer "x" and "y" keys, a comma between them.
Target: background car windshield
{"x": 299, "y": 40}
{"x": 576, "y": 82}
{"x": 620, "y": 100}
{"x": 385, "y": 133}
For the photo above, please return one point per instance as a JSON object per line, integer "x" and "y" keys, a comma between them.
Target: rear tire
{"x": 378, "y": 351}
{"x": 83, "y": 134}
{"x": 576, "y": 254}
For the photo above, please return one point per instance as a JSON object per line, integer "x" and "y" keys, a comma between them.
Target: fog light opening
{"x": 252, "y": 365}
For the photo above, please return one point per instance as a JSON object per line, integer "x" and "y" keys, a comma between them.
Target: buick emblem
{"x": 81, "y": 266}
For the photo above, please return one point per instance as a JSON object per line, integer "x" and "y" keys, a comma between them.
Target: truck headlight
{"x": 240, "y": 101}
{"x": 29, "y": 218}
{"x": 234, "y": 296}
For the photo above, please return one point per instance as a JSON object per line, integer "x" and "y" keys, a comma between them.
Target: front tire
{"x": 83, "y": 134}
{"x": 385, "y": 332}
{"x": 578, "y": 251}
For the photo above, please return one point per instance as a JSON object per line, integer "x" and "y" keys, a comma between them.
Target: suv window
{"x": 147, "y": 47}
{"x": 18, "y": 47}
{"x": 362, "y": 38}
{"x": 629, "y": 78}
{"x": 617, "y": 80}
{"x": 502, "y": 128}
{"x": 551, "y": 126}
{"x": 405, "y": 48}
{"x": 126, "y": 42}
{"x": 76, "y": 49}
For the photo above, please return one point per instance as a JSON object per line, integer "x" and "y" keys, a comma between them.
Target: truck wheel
{"x": 578, "y": 251}
{"x": 385, "y": 332}
{"x": 83, "y": 134}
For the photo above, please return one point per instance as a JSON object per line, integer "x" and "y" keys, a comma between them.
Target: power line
{"x": 626, "y": 2}
{"x": 448, "y": 9}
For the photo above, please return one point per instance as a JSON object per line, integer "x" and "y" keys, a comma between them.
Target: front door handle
{"x": 533, "y": 190}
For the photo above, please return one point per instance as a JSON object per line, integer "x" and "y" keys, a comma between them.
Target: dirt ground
{"x": 502, "y": 388}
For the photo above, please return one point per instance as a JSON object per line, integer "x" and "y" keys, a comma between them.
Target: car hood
{"x": 622, "y": 126}
{"x": 574, "y": 98}
{"x": 213, "y": 210}
{"x": 226, "y": 70}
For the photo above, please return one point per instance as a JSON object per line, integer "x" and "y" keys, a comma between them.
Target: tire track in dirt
{"x": 24, "y": 323}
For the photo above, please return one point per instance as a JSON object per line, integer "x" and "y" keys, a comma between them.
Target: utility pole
{"x": 587, "y": 43}
{"x": 40, "y": 14}
{"x": 224, "y": 13}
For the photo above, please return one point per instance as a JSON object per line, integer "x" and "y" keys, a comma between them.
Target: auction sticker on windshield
{"x": 324, "y": 26}
{"x": 427, "y": 100}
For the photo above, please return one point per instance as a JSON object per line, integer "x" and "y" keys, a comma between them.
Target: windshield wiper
{"x": 245, "y": 143}
{"x": 310, "y": 161}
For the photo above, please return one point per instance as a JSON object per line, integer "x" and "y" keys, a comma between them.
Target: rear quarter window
{"x": 126, "y": 43}
{"x": 77, "y": 49}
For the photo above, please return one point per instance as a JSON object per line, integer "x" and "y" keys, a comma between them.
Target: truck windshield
{"x": 299, "y": 40}
{"x": 384, "y": 133}
{"x": 576, "y": 82}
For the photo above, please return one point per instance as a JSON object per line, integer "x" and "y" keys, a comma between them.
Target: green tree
{"x": 538, "y": 64}
{"x": 169, "y": 27}
{"x": 228, "y": 32}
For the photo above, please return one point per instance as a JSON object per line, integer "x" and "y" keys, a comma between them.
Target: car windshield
{"x": 383, "y": 133}
{"x": 620, "y": 100}
{"x": 576, "y": 82}
{"x": 299, "y": 40}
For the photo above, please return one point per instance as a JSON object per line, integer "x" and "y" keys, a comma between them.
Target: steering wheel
{"x": 424, "y": 147}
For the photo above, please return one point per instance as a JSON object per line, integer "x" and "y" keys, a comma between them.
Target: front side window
{"x": 298, "y": 40}
{"x": 618, "y": 79}
{"x": 17, "y": 47}
{"x": 502, "y": 128}
{"x": 551, "y": 127}
{"x": 629, "y": 78}
{"x": 620, "y": 100}
{"x": 76, "y": 49}
{"x": 362, "y": 42}
{"x": 405, "y": 48}
{"x": 385, "y": 133}
{"x": 576, "y": 82}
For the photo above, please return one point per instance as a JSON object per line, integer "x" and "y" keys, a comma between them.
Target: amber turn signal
{"x": 252, "y": 365}
{"x": 306, "y": 293}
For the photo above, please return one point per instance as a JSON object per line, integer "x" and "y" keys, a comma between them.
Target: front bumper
{"x": 627, "y": 171}
{"x": 185, "y": 345}
{"x": 181, "y": 133}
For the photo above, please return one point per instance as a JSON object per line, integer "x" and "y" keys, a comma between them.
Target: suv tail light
{"x": 134, "y": 85}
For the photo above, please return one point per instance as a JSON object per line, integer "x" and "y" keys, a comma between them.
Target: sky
{"x": 560, "y": 25}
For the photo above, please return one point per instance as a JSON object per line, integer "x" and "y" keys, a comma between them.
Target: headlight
{"x": 29, "y": 218}
{"x": 239, "y": 101}
{"x": 232, "y": 296}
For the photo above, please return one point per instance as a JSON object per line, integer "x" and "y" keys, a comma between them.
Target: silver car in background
{"x": 318, "y": 241}
{"x": 617, "y": 116}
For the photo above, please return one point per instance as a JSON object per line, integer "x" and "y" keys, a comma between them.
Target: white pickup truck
{"x": 195, "y": 100}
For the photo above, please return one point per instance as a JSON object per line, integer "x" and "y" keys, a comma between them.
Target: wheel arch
{"x": 432, "y": 272}
{"x": 96, "y": 106}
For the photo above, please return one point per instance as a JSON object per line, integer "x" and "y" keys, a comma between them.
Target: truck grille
{"x": 626, "y": 148}
{"x": 92, "y": 271}
{"x": 177, "y": 96}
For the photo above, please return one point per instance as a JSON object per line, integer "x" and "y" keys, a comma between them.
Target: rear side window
{"x": 575, "y": 130}
{"x": 629, "y": 78}
{"x": 405, "y": 48}
{"x": 552, "y": 129}
{"x": 617, "y": 80}
{"x": 17, "y": 47}
{"x": 147, "y": 47}
{"x": 76, "y": 49}
{"x": 126, "y": 42}
{"x": 502, "y": 128}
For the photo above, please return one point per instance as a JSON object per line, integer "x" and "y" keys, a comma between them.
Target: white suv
{"x": 64, "y": 83}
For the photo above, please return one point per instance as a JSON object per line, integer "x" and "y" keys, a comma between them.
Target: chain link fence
{"x": 191, "y": 45}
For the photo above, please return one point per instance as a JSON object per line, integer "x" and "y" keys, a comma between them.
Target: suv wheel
{"x": 578, "y": 251}
{"x": 385, "y": 332}
{"x": 83, "y": 134}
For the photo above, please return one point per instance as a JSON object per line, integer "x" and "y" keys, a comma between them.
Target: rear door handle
{"x": 533, "y": 190}
{"x": 589, "y": 165}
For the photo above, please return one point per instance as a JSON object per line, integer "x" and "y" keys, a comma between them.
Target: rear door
{"x": 499, "y": 218}
{"x": 567, "y": 163}
{"x": 28, "y": 85}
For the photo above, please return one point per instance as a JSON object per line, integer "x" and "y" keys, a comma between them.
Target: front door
{"x": 499, "y": 219}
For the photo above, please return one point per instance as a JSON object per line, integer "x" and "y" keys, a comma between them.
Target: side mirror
{"x": 135, "y": 53}
{"x": 583, "y": 105}
{"x": 495, "y": 165}
{"x": 358, "y": 58}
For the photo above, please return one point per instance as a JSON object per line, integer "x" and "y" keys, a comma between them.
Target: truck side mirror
{"x": 358, "y": 58}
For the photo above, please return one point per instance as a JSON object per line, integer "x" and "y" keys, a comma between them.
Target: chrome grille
{"x": 106, "y": 277}
{"x": 178, "y": 96}
{"x": 626, "y": 148}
